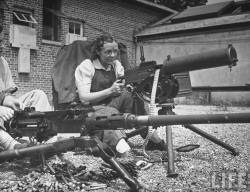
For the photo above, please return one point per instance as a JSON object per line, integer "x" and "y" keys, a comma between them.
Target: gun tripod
{"x": 167, "y": 109}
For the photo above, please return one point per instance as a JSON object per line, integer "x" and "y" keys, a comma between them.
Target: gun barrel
{"x": 129, "y": 121}
{"x": 58, "y": 146}
{"x": 159, "y": 120}
{"x": 216, "y": 58}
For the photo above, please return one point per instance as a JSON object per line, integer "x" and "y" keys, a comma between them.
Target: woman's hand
{"x": 6, "y": 113}
{"x": 13, "y": 103}
{"x": 117, "y": 87}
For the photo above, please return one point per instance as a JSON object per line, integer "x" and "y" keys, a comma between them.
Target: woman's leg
{"x": 114, "y": 138}
{"x": 126, "y": 103}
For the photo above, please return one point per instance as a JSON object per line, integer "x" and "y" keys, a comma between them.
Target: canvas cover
{"x": 68, "y": 58}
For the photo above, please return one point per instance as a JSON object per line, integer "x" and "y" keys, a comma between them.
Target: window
{"x": 51, "y": 20}
{"x": 75, "y": 32}
{"x": 76, "y": 28}
{"x": 23, "y": 18}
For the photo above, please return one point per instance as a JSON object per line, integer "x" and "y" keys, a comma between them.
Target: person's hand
{"x": 117, "y": 87}
{"x": 6, "y": 113}
{"x": 13, "y": 103}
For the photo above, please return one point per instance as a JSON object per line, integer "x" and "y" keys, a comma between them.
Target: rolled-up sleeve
{"x": 83, "y": 76}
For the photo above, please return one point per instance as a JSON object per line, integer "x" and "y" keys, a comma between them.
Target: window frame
{"x": 32, "y": 19}
{"x": 81, "y": 27}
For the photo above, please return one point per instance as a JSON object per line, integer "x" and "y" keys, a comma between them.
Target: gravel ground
{"x": 208, "y": 168}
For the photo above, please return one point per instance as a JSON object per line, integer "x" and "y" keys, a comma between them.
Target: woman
{"x": 96, "y": 82}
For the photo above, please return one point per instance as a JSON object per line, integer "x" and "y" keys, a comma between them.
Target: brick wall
{"x": 118, "y": 17}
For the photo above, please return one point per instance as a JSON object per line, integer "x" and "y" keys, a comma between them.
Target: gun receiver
{"x": 42, "y": 125}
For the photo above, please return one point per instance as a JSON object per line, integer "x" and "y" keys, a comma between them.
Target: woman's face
{"x": 108, "y": 53}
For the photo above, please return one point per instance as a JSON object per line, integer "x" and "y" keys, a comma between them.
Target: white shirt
{"x": 84, "y": 72}
{"x": 6, "y": 80}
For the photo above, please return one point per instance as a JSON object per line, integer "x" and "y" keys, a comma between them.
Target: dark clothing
{"x": 102, "y": 80}
{"x": 123, "y": 103}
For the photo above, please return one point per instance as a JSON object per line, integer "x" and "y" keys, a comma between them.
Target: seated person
{"x": 96, "y": 82}
{"x": 9, "y": 103}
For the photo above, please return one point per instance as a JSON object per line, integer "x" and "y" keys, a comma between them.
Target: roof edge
{"x": 225, "y": 20}
{"x": 161, "y": 7}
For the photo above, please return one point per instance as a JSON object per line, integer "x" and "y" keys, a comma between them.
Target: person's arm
{"x": 7, "y": 77}
{"x": 6, "y": 97}
{"x": 5, "y": 112}
{"x": 83, "y": 76}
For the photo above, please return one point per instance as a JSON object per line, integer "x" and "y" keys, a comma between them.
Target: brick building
{"x": 34, "y": 31}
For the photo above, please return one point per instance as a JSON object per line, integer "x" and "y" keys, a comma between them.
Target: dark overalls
{"x": 101, "y": 80}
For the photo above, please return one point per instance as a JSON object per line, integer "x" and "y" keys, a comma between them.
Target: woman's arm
{"x": 93, "y": 97}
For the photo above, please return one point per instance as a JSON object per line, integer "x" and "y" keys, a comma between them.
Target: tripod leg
{"x": 170, "y": 152}
{"x": 108, "y": 156}
{"x": 169, "y": 141}
{"x": 202, "y": 133}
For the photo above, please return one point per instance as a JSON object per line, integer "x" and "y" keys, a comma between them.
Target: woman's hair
{"x": 99, "y": 42}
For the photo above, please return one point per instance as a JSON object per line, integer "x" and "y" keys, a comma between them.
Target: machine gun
{"x": 158, "y": 84}
{"x": 42, "y": 125}
{"x": 169, "y": 85}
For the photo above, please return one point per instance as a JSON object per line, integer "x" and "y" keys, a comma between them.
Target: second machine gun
{"x": 40, "y": 126}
